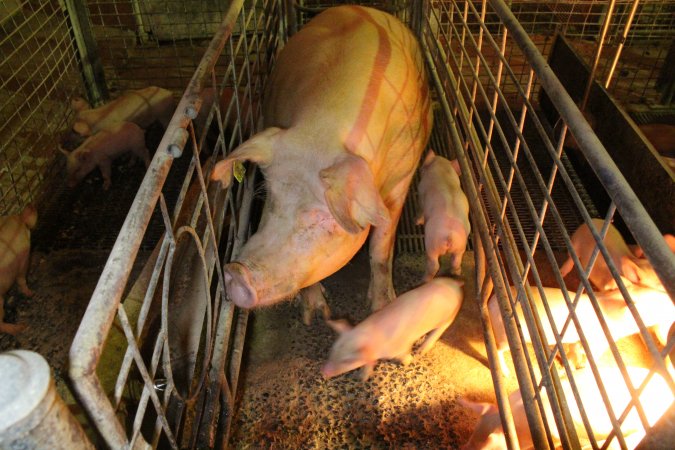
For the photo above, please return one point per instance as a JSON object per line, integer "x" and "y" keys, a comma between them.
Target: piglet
{"x": 390, "y": 332}
{"x": 634, "y": 269}
{"x": 654, "y": 306}
{"x": 445, "y": 213}
{"x": 142, "y": 107}
{"x": 14, "y": 257}
{"x": 656, "y": 398}
{"x": 102, "y": 148}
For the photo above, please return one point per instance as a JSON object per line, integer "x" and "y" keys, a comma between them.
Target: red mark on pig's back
{"x": 382, "y": 58}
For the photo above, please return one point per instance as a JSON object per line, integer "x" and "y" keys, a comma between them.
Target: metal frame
{"x": 237, "y": 58}
{"x": 475, "y": 79}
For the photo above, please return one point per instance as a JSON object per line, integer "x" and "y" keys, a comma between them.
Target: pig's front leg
{"x": 432, "y": 267}
{"x": 313, "y": 301}
{"x": 106, "y": 172}
{"x": 21, "y": 278}
{"x": 381, "y": 289}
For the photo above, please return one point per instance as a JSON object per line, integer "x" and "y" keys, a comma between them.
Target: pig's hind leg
{"x": 432, "y": 337}
{"x": 313, "y": 301}
{"x": 9, "y": 328}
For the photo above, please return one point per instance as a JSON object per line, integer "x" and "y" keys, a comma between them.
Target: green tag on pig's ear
{"x": 239, "y": 171}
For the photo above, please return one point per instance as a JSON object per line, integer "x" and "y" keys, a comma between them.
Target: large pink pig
{"x": 141, "y": 107}
{"x": 347, "y": 115}
{"x": 655, "y": 307}
{"x": 102, "y": 148}
{"x": 14, "y": 258}
{"x": 634, "y": 269}
{"x": 391, "y": 332}
{"x": 445, "y": 213}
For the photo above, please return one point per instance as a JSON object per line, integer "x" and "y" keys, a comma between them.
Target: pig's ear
{"x": 258, "y": 148}
{"x": 339, "y": 326}
{"x": 351, "y": 195}
{"x": 82, "y": 128}
{"x": 429, "y": 158}
{"x": 455, "y": 165}
{"x": 78, "y": 104}
{"x": 630, "y": 270}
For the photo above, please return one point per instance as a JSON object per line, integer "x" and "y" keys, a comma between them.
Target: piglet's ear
{"x": 430, "y": 157}
{"x": 258, "y": 149}
{"x": 351, "y": 195}
{"x": 456, "y": 166}
{"x": 339, "y": 326}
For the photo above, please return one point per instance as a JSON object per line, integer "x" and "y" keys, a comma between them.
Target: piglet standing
{"x": 391, "y": 332}
{"x": 142, "y": 107}
{"x": 14, "y": 258}
{"x": 445, "y": 213}
{"x": 102, "y": 148}
{"x": 634, "y": 269}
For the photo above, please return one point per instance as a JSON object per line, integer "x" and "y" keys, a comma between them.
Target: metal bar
{"x": 622, "y": 41}
{"x": 92, "y": 69}
{"x": 527, "y": 389}
{"x": 598, "y": 53}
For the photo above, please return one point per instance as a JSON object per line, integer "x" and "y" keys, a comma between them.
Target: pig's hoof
{"x": 313, "y": 302}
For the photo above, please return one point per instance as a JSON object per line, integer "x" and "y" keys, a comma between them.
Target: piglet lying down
{"x": 391, "y": 332}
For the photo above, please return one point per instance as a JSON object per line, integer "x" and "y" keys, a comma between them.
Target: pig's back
{"x": 352, "y": 75}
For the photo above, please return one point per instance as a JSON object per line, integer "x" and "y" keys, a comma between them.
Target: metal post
{"x": 92, "y": 69}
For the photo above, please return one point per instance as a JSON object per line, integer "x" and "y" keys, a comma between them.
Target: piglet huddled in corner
{"x": 445, "y": 213}
{"x": 634, "y": 269}
{"x": 102, "y": 148}
{"x": 14, "y": 258}
{"x": 347, "y": 115}
{"x": 391, "y": 332}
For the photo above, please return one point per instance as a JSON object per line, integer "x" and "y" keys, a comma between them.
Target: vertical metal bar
{"x": 598, "y": 52}
{"x": 138, "y": 17}
{"x": 622, "y": 41}
{"x": 92, "y": 69}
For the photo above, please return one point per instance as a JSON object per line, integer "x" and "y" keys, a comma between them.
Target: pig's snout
{"x": 238, "y": 285}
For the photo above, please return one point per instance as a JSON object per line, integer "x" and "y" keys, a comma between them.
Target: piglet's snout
{"x": 238, "y": 285}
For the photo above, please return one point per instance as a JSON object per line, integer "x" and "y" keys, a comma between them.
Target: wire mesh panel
{"x": 165, "y": 375}
{"x": 38, "y": 73}
{"x": 152, "y": 42}
{"x": 563, "y": 324}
